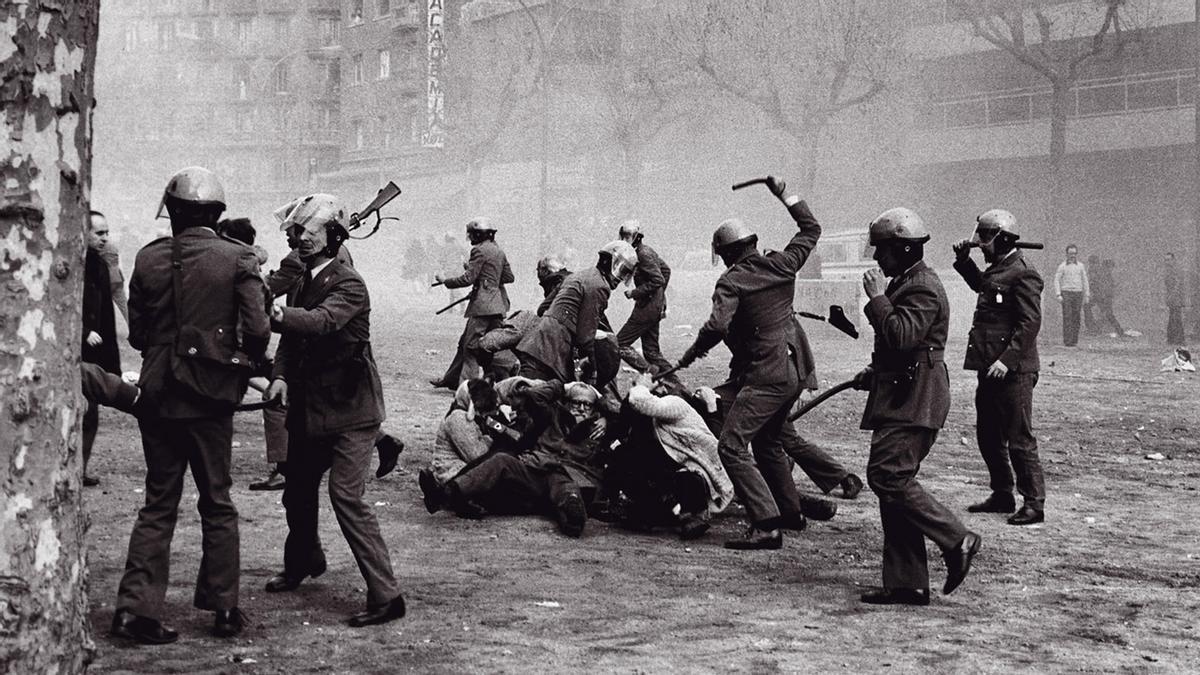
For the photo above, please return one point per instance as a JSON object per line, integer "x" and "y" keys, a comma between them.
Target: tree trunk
{"x": 475, "y": 184}
{"x": 1060, "y": 108}
{"x": 47, "y": 56}
{"x": 631, "y": 182}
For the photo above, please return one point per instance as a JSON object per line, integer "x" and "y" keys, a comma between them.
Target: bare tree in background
{"x": 47, "y": 54}
{"x": 642, "y": 83}
{"x": 1056, "y": 40}
{"x": 802, "y": 63}
{"x": 492, "y": 73}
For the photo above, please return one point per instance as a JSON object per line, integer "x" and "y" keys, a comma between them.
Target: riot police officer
{"x": 909, "y": 397}
{"x": 197, "y": 314}
{"x": 650, "y": 279}
{"x": 1002, "y": 348}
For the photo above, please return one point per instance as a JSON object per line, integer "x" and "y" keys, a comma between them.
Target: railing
{"x": 1087, "y": 98}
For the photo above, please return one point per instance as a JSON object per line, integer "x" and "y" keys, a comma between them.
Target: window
{"x": 131, "y": 37}
{"x": 385, "y": 64}
{"x": 166, "y": 35}
{"x": 280, "y": 26}
{"x": 241, "y": 121}
{"x": 356, "y": 12}
{"x": 357, "y": 77}
{"x": 414, "y": 59}
{"x": 333, "y": 76}
{"x": 326, "y": 117}
{"x": 357, "y": 126}
{"x": 243, "y": 28}
{"x": 386, "y": 131}
{"x": 330, "y": 31}
{"x": 385, "y": 7}
{"x": 240, "y": 81}
{"x": 281, "y": 79}
{"x": 204, "y": 29}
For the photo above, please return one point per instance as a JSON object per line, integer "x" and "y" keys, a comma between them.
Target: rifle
{"x": 385, "y": 195}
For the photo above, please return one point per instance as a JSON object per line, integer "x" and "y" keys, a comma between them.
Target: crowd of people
{"x": 542, "y": 422}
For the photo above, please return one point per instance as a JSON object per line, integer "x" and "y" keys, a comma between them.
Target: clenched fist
{"x": 874, "y": 283}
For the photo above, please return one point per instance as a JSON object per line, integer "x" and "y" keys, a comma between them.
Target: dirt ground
{"x": 1108, "y": 584}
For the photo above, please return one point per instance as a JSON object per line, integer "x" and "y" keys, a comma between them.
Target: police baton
{"x": 260, "y": 405}
{"x": 454, "y": 304}
{"x": 1031, "y": 245}
{"x": 821, "y": 398}
{"x": 669, "y": 371}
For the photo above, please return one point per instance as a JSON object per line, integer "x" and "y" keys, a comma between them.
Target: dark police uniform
{"x": 650, "y": 279}
{"x": 906, "y": 406}
{"x": 334, "y": 413}
{"x": 1008, "y": 316}
{"x": 193, "y": 373}
{"x": 487, "y": 272}
{"x": 752, "y": 313}
{"x": 568, "y": 325}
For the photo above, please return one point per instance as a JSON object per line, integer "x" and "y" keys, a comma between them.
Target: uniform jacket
{"x": 98, "y": 314}
{"x": 487, "y": 272}
{"x": 1008, "y": 314}
{"x": 686, "y": 439}
{"x": 570, "y": 322}
{"x": 752, "y": 312}
{"x": 910, "y": 386}
{"x": 223, "y": 324}
{"x": 650, "y": 279}
{"x": 325, "y": 355}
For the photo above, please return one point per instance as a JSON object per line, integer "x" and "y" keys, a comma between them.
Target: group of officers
{"x": 201, "y": 316}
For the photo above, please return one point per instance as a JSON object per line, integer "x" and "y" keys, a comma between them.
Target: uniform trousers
{"x": 469, "y": 358}
{"x": 908, "y": 513}
{"x": 1004, "y": 430}
{"x": 170, "y": 447}
{"x": 275, "y": 434}
{"x": 643, "y": 324}
{"x": 762, "y": 479}
{"x": 824, "y": 471}
{"x": 346, "y": 456}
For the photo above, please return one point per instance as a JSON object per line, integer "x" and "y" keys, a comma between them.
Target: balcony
{"x": 407, "y": 19}
{"x": 1131, "y": 111}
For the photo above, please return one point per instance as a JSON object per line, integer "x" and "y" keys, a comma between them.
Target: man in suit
{"x": 1002, "y": 348}
{"x": 325, "y": 372}
{"x": 650, "y": 280}
{"x": 281, "y": 281}
{"x": 486, "y": 274}
{"x": 569, "y": 326}
{"x": 909, "y": 396}
{"x": 196, "y": 313}
{"x": 99, "y": 327}
{"x": 752, "y": 313}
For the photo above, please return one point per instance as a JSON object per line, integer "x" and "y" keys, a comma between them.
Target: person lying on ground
{"x": 555, "y": 472}
{"x": 666, "y": 471}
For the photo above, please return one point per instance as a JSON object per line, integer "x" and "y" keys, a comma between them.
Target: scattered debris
{"x": 1178, "y": 361}
{"x": 548, "y": 603}
{"x": 432, "y": 352}
{"x": 1156, "y": 456}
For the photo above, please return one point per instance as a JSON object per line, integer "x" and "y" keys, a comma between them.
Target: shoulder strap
{"x": 176, "y": 280}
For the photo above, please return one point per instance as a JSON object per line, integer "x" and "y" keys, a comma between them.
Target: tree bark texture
{"x": 47, "y": 55}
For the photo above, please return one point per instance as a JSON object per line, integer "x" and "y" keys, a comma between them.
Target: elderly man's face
{"x": 580, "y": 410}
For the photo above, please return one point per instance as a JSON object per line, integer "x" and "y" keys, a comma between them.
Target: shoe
{"x": 389, "y": 448}
{"x": 851, "y": 486}
{"x": 571, "y": 514}
{"x": 441, "y": 384}
{"x": 997, "y": 502}
{"x": 141, "y": 629}
{"x": 693, "y": 527}
{"x": 757, "y": 540}
{"x": 275, "y": 481}
{"x": 388, "y": 611}
{"x": 285, "y": 581}
{"x": 796, "y": 522}
{"x": 958, "y": 561}
{"x": 897, "y": 596}
{"x": 1028, "y": 515}
{"x": 818, "y": 509}
{"x": 90, "y": 481}
{"x": 229, "y": 622}
{"x": 432, "y": 492}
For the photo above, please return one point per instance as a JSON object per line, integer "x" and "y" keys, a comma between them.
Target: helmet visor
{"x": 984, "y": 235}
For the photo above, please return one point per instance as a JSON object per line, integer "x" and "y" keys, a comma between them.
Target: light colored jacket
{"x": 686, "y": 439}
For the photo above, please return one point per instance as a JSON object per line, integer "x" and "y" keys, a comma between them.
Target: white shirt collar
{"x": 316, "y": 269}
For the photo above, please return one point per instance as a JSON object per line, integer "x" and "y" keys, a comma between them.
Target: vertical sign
{"x": 434, "y": 136}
